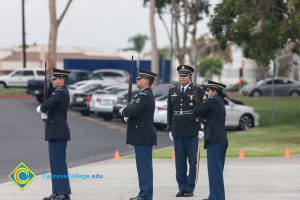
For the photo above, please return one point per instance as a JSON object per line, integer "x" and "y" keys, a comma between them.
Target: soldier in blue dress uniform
{"x": 184, "y": 129}
{"x": 142, "y": 133}
{"x": 54, "y": 112}
{"x": 215, "y": 137}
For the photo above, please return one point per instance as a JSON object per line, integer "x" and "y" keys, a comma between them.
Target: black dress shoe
{"x": 188, "y": 194}
{"x": 207, "y": 199}
{"x": 61, "y": 197}
{"x": 136, "y": 198}
{"x": 180, "y": 194}
{"x": 50, "y": 197}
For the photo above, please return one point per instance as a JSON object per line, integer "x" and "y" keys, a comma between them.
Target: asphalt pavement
{"x": 22, "y": 138}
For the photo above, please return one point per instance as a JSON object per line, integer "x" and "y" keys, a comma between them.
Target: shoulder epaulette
{"x": 143, "y": 93}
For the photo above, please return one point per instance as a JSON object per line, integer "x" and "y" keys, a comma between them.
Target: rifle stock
{"x": 129, "y": 96}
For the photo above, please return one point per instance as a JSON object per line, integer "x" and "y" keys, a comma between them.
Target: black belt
{"x": 183, "y": 112}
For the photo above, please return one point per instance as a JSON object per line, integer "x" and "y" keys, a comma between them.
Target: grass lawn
{"x": 269, "y": 139}
{"x": 12, "y": 91}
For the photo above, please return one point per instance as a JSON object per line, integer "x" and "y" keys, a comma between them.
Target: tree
{"x": 154, "y": 51}
{"x": 186, "y": 14}
{"x": 260, "y": 27}
{"x": 209, "y": 66}
{"x": 54, "y": 24}
{"x": 138, "y": 42}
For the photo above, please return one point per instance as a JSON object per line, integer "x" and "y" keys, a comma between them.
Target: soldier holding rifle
{"x": 54, "y": 112}
{"x": 141, "y": 132}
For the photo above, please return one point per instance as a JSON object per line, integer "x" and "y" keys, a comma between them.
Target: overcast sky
{"x": 98, "y": 24}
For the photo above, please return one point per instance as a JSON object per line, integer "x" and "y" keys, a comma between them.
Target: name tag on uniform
{"x": 174, "y": 95}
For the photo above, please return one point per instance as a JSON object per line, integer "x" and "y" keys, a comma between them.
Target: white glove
{"x": 200, "y": 134}
{"x": 202, "y": 126}
{"x": 170, "y": 136}
{"x": 125, "y": 118}
{"x": 38, "y": 109}
{"x": 44, "y": 116}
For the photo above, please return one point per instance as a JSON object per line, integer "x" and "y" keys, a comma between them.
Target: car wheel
{"x": 256, "y": 93}
{"x": 107, "y": 117}
{"x": 85, "y": 112}
{"x": 2, "y": 85}
{"x": 246, "y": 122}
{"x": 294, "y": 93}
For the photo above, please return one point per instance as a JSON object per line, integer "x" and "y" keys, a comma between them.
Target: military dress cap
{"x": 146, "y": 74}
{"x": 215, "y": 85}
{"x": 185, "y": 70}
{"x": 59, "y": 73}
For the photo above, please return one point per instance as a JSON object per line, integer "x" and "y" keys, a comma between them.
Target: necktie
{"x": 182, "y": 90}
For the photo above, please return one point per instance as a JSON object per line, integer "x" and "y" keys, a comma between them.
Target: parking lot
{"x": 22, "y": 138}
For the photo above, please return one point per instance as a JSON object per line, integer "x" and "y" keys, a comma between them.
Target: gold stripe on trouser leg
{"x": 198, "y": 161}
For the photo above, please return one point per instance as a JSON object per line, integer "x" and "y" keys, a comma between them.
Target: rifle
{"x": 129, "y": 96}
{"x": 45, "y": 83}
{"x": 199, "y": 120}
{"x": 45, "y": 88}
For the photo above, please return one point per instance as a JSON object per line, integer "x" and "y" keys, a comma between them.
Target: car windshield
{"x": 87, "y": 88}
{"x": 117, "y": 90}
{"x": 95, "y": 77}
{"x": 260, "y": 82}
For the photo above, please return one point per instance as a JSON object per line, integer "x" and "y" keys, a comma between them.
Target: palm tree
{"x": 138, "y": 42}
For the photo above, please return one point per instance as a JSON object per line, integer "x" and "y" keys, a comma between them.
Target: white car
{"x": 103, "y": 104}
{"x": 20, "y": 77}
{"x": 118, "y": 75}
{"x": 85, "y": 86}
{"x": 237, "y": 116}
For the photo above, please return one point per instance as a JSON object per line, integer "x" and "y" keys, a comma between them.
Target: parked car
{"x": 103, "y": 104}
{"x": 117, "y": 75}
{"x": 162, "y": 89}
{"x": 282, "y": 87}
{"x": 237, "y": 115}
{"x": 87, "y": 85}
{"x": 81, "y": 100}
{"x": 20, "y": 77}
{"x": 36, "y": 87}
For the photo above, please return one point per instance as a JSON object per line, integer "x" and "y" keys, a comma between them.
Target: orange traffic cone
{"x": 117, "y": 155}
{"x": 287, "y": 153}
{"x": 242, "y": 154}
{"x": 173, "y": 155}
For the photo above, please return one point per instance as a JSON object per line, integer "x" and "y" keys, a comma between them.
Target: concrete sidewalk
{"x": 247, "y": 179}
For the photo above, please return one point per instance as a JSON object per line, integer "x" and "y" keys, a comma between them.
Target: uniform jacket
{"x": 140, "y": 124}
{"x": 213, "y": 109}
{"x": 56, "y": 106}
{"x": 184, "y": 125}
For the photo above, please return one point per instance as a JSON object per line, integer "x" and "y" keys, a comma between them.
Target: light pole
{"x": 23, "y": 34}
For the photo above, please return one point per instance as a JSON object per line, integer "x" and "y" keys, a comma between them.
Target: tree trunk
{"x": 52, "y": 35}
{"x": 54, "y": 24}
{"x": 178, "y": 50}
{"x": 262, "y": 71}
{"x": 208, "y": 74}
{"x": 154, "y": 51}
